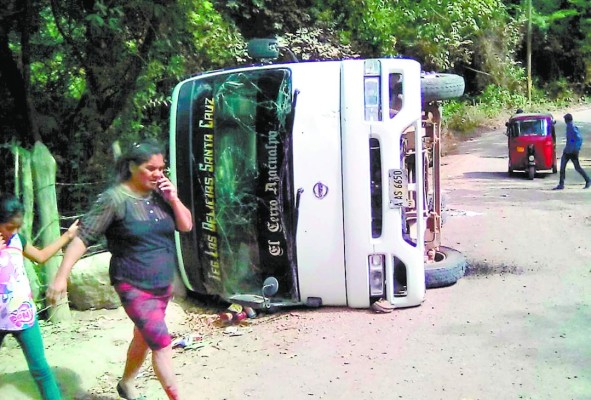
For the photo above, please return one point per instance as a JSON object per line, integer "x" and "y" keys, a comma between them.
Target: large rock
{"x": 89, "y": 286}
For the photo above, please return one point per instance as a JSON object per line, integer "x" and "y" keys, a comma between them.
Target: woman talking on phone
{"x": 138, "y": 216}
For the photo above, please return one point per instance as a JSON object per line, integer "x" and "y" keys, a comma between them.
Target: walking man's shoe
{"x": 560, "y": 187}
{"x": 587, "y": 185}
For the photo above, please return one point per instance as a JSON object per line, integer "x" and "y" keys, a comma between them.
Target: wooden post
{"x": 24, "y": 190}
{"x": 44, "y": 173}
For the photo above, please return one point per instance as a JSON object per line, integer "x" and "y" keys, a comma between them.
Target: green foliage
{"x": 497, "y": 98}
{"x": 266, "y": 18}
{"x": 561, "y": 41}
{"x": 212, "y": 37}
{"x": 317, "y": 44}
{"x": 495, "y": 50}
{"x": 559, "y": 92}
{"x": 497, "y": 103}
{"x": 368, "y": 25}
{"x": 207, "y": 42}
{"x": 462, "y": 117}
{"x": 80, "y": 74}
{"x": 438, "y": 33}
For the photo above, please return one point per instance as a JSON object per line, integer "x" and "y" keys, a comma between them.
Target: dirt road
{"x": 517, "y": 327}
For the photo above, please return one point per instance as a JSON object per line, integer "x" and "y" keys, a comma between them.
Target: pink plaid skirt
{"x": 146, "y": 308}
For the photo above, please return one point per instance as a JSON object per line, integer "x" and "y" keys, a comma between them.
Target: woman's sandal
{"x": 123, "y": 394}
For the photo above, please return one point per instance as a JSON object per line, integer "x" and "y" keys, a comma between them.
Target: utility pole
{"x": 529, "y": 84}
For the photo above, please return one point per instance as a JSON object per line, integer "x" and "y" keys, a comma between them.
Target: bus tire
{"x": 437, "y": 86}
{"x": 449, "y": 266}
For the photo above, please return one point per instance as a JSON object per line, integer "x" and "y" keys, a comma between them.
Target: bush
{"x": 462, "y": 117}
{"x": 496, "y": 99}
{"x": 558, "y": 92}
{"x": 496, "y": 103}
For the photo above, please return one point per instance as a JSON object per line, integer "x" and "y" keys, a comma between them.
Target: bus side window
{"x": 395, "y": 89}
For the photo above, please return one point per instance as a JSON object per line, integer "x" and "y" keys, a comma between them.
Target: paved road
{"x": 493, "y": 145}
{"x": 528, "y": 248}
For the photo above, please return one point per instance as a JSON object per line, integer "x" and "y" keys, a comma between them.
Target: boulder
{"x": 89, "y": 286}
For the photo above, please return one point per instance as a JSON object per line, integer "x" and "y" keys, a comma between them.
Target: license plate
{"x": 398, "y": 188}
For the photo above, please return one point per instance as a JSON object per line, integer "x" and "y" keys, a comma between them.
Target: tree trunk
{"x": 31, "y": 114}
{"x": 44, "y": 172}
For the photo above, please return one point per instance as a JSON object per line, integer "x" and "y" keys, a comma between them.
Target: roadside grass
{"x": 466, "y": 116}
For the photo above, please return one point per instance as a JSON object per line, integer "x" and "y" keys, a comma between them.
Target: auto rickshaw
{"x": 531, "y": 140}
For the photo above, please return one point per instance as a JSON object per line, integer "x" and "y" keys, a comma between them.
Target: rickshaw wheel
{"x": 531, "y": 173}
{"x": 554, "y": 169}
{"x": 449, "y": 266}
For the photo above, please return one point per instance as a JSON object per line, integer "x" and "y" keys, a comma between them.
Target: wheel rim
{"x": 439, "y": 256}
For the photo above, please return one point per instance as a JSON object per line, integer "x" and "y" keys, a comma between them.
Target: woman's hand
{"x": 182, "y": 215}
{"x": 167, "y": 189}
{"x": 57, "y": 290}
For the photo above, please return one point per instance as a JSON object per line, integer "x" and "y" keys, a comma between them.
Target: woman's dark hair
{"x": 138, "y": 154}
{"x": 10, "y": 207}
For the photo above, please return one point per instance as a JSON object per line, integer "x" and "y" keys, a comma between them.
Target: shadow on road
{"x": 486, "y": 175}
{"x": 69, "y": 381}
{"x": 496, "y": 175}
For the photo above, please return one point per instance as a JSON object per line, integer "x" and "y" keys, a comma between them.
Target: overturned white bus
{"x": 308, "y": 182}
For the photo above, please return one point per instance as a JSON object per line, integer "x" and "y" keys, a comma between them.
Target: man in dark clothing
{"x": 574, "y": 141}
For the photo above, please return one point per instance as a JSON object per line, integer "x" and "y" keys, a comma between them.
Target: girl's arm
{"x": 42, "y": 255}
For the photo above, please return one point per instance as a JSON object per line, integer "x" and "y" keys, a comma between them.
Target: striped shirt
{"x": 140, "y": 236}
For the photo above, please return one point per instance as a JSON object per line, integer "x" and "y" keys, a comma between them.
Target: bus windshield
{"x": 233, "y": 134}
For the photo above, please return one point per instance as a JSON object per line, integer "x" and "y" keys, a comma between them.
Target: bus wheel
{"x": 448, "y": 267}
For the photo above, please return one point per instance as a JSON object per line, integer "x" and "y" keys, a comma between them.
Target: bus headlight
{"x": 376, "y": 275}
